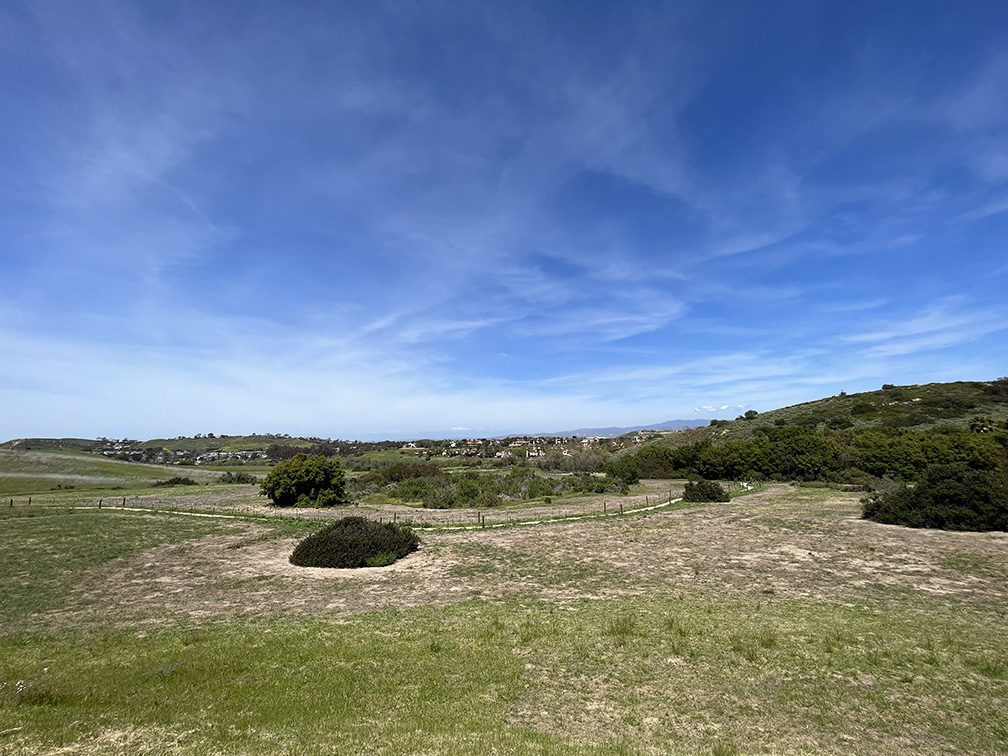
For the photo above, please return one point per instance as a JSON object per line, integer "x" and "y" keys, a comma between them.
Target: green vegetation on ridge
{"x": 897, "y": 432}
{"x": 916, "y": 407}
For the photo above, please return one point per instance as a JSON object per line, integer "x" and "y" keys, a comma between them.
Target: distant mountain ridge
{"x": 203, "y": 443}
{"x": 613, "y": 432}
{"x": 957, "y": 404}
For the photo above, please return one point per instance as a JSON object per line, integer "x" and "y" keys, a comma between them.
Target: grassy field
{"x": 24, "y": 473}
{"x": 777, "y": 623}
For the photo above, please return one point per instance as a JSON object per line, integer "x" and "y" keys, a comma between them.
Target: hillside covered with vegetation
{"x": 897, "y": 433}
{"x": 915, "y": 407}
{"x": 949, "y": 442}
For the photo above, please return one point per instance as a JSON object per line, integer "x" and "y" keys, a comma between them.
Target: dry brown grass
{"x": 782, "y": 542}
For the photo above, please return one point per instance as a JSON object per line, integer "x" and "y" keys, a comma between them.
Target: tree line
{"x": 802, "y": 453}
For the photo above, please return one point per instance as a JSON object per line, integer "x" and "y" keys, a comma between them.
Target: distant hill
{"x": 197, "y": 445}
{"x": 208, "y": 443}
{"x": 53, "y": 444}
{"x": 915, "y": 407}
{"x": 613, "y": 432}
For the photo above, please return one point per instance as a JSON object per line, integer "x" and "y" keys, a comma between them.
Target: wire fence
{"x": 240, "y": 505}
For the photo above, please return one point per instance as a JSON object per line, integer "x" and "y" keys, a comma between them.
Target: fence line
{"x": 450, "y": 520}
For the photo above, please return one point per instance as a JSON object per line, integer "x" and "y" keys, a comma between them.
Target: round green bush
{"x": 355, "y": 542}
{"x": 704, "y": 490}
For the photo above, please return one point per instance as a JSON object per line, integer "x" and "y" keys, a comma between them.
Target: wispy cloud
{"x": 944, "y": 324}
{"x": 404, "y": 218}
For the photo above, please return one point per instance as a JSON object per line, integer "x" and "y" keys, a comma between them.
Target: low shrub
{"x": 704, "y": 490}
{"x": 355, "y": 542}
{"x": 237, "y": 477}
{"x": 178, "y": 480}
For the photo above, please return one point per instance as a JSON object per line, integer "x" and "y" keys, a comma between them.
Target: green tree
{"x": 305, "y": 481}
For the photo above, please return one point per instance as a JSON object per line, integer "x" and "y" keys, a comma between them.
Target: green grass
{"x": 621, "y": 628}
{"x": 518, "y": 677}
{"x": 513, "y": 565}
{"x": 46, "y": 551}
{"x": 663, "y": 670}
{"x": 973, "y": 564}
{"x": 54, "y": 474}
{"x": 423, "y": 682}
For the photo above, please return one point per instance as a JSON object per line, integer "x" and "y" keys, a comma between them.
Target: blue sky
{"x": 399, "y": 219}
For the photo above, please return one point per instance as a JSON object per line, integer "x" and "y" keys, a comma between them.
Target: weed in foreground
{"x": 766, "y": 637}
{"x": 675, "y": 626}
{"x": 834, "y": 641}
{"x": 678, "y": 647}
{"x": 992, "y": 668}
{"x": 528, "y": 631}
{"x": 744, "y": 646}
{"x": 621, "y": 628}
{"x": 724, "y": 749}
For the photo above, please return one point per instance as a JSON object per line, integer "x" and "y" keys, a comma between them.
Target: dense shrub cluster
{"x": 305, "y": 482}
{"x": 950, "y": 497}
{"x": 804, "y": 453}
{"x": 436, "y": 489}
{"x": 398, "y": 472}
{"x": 579, "y": 460}
{"x": 178, "y": 480}
{"x": 625, "y": 469}
{"x": 704, "y": 490}
{"x": 328, "y": 448}
{"x": 355, "y": 542}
